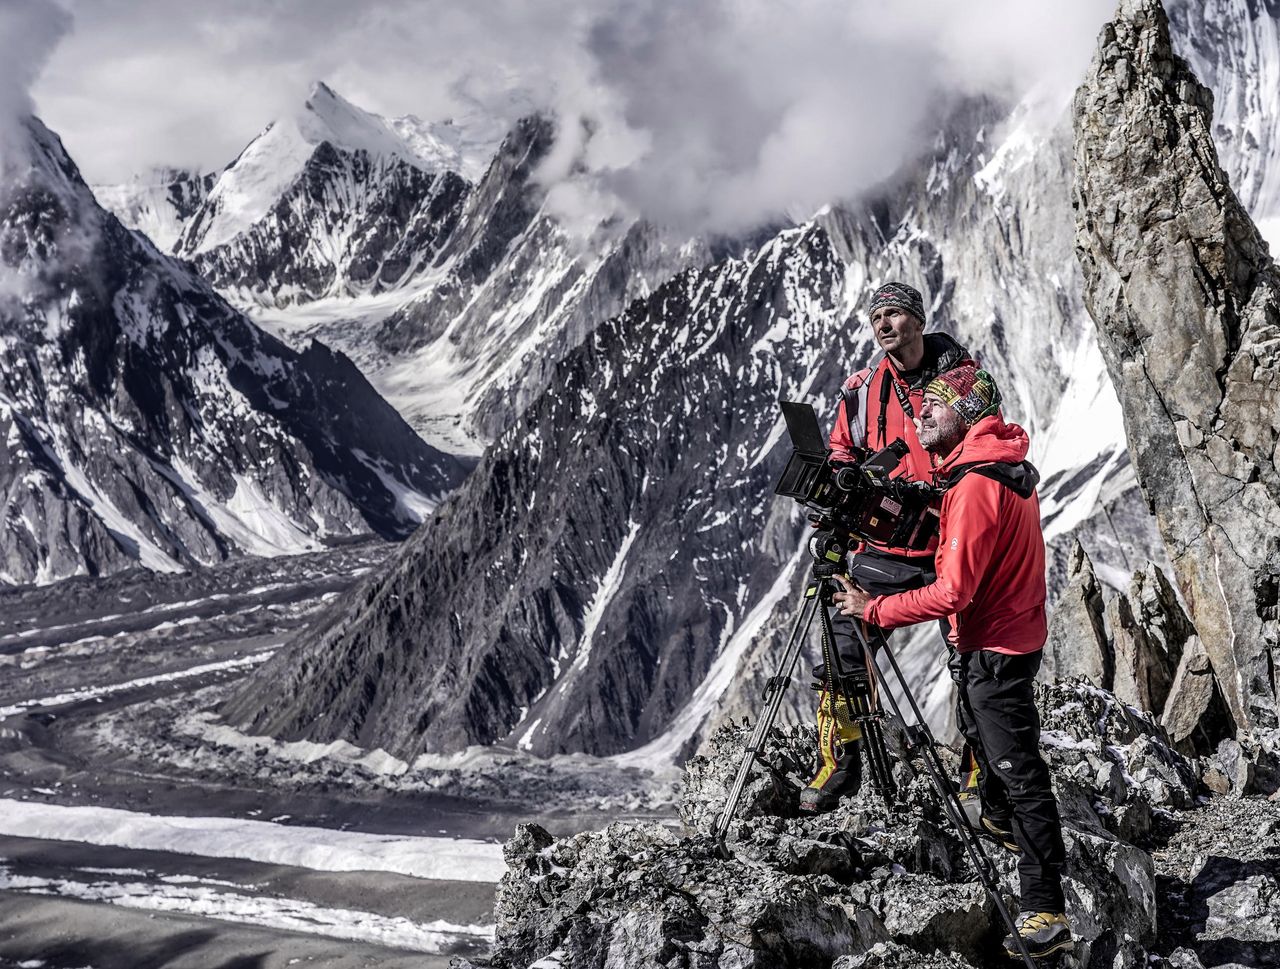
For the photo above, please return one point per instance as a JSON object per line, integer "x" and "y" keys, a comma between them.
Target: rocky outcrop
{"x": 1149, "y": 630}
{"x": 1187, "y": 303}
{"x": 1142, "y": 646}
{"x": 854, "y": 888}
{"x": 1078, "y": 644}
{"x": 1195, "y": 713}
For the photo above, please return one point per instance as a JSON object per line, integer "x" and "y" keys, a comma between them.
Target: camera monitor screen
{"x": 802, "y": 426}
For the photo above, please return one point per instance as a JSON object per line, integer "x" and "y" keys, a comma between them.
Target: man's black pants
{"x": 997, "y": 714}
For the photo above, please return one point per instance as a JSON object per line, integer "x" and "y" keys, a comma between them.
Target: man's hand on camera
{"x": 853, "y": 600}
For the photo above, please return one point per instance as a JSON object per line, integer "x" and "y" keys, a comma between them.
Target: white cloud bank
{"x": 709, "y": 114}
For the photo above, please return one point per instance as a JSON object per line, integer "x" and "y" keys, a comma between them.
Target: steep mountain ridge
{"x": 1186, "y": 298}
{"x": 570, "y": 600}
{"x": 148, "y": 422}
{"x": 333, "y": 200}
{"x": 158, "y": 203}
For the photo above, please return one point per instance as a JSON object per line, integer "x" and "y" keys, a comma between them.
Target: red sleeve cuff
{"x": 869, "y": 613}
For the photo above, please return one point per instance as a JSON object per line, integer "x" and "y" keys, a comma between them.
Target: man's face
{"x": 895, "y": 328}
{"x": 941, "y": 428}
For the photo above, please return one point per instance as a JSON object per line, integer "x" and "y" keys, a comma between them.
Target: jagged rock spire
{"x": 1186, "y": 300}
{"x": 1078, "y": 644}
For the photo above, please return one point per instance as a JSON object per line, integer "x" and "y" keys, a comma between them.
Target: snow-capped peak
{"x": 328, "y": 117}
{"x": 248, "y": 188}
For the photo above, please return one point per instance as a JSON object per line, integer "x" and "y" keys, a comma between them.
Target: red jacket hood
{"x": 991, "y": 439}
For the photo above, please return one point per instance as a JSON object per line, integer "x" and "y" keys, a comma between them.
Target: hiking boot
{"x": 1043, "y": 933}
{"x": 1000, "y": 829}
{"x": 839, "y": 769}
{"x": 835, "y": 778}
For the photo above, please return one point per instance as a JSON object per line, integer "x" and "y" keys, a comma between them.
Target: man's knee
{"x": 1023, "y": 772}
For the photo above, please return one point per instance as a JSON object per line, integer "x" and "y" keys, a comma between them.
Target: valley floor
{"x": 137, "y": 831}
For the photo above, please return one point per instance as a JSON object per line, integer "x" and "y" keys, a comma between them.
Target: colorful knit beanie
{"x": 970, "y": 392}
{"x": 900, "y": 295}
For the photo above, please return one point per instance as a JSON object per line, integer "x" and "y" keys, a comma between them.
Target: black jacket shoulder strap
{"x": 1020, "y": 478}
{"x": 886, "y": 384}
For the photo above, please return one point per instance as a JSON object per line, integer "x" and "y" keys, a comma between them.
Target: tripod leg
{"x": 861, "y": 708}
{"x": 786, "y": 669}
{"x": 951, "y": 803}
{"x": 842, "y": 719}
{"x": 878, "y": 758}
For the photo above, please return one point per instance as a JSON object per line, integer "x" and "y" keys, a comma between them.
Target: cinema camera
{"x": 859, "y": 498}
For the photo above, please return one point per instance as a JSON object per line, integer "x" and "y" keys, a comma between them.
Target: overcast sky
{"x": 716, "y": 111}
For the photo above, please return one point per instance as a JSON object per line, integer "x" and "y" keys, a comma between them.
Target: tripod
{"x": 828, "y": 551}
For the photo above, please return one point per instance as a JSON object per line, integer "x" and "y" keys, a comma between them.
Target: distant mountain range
{"x": 148, "y": 422}
{"x": 614, "y": 573}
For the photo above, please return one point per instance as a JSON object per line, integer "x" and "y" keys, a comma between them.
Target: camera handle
{"x": 927, "y": 746}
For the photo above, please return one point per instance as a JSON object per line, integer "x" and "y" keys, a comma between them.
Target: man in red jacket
{"x": 878, "y": 405}
{"x": 991, "y": 579}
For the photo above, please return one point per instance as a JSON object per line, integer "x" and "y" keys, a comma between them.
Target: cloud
{"x": 29, "y": 31}
{"x": 707, "y": 114}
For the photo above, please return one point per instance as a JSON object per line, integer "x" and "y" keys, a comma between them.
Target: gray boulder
{"x": 1195, "y": 714}
{"x": 1078, "y": 644}
{"x": 1149, "y": 630}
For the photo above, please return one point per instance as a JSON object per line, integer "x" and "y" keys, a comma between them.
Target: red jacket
{"x": 865, "y": 391}
{"x": 990, "y": 557}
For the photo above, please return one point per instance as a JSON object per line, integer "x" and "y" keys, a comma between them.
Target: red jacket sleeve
{"x": 841, "y": 439}
{"x": 966, "y": 543}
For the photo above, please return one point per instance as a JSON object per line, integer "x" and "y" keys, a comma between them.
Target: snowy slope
{"x": 147, "y": 422}
{"x": 248, "y": 189}
{"x": 157, "y": 203}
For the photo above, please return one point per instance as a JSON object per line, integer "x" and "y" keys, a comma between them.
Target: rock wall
{"x": 1186, "y": 300}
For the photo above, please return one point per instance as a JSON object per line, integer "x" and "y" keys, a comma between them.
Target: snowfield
{"x": 320, "y": 849}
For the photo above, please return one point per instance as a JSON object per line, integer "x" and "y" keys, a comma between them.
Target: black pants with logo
{"x": 997, "y": 714}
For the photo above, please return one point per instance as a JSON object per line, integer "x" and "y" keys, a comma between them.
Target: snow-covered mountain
{"x": 649, "y": 442}
{"x": 333, "y": 200}
{"x": 147, "y": 421}
{"x": 157, "y": 203}
{"x": 424, "y": 251}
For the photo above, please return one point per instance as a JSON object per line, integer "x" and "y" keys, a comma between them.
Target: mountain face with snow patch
{"x": 147, "y": 422}
{"x": 637, "y": 590}
{"x": 157, "y": 204}
{"x": 583, "y": 580}
{"x": 332, "y": 201}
